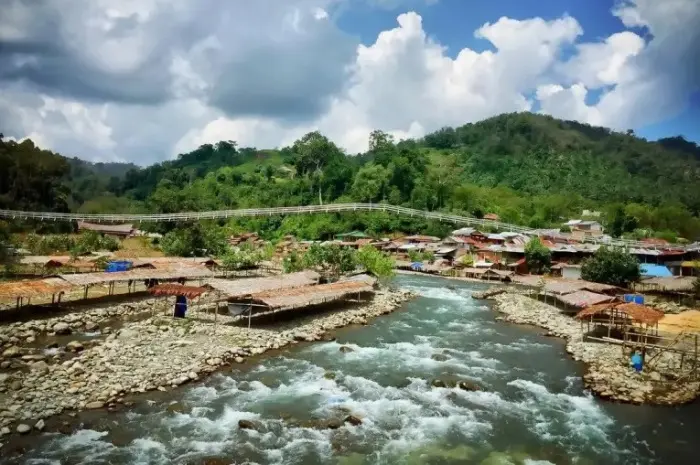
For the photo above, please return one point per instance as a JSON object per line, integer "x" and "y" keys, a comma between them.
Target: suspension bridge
{"x": 306, "y": 209}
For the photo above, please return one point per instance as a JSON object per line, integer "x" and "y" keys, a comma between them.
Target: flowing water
{"x": 532, "y": 410}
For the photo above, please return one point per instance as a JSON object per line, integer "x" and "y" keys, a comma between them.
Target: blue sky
{"x": 452, "y": 23}
{"x": 142, "y": 81}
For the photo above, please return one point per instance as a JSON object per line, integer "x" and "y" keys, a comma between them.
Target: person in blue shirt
{"x": 637, "y": 361}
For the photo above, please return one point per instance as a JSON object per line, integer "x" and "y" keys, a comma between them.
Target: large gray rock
{"x": 61, "y": 328}
{"x": 94, "y": 405}
{"x": 74, "y": 346}
{"x": 23, "y": 429}
{"x": 12, "y": 351}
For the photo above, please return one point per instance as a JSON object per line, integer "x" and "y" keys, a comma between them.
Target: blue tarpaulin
{"x": 118, "y": 265}
{"x": 654, "y": 271}
{"x": 416, "y": 266}
{"x": 634, "y": 298}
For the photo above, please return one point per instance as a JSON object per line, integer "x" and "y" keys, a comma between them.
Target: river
{"x": 532, "y": 409}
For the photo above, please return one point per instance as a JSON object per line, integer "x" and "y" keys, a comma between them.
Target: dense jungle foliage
{"x": 530, "y": 169}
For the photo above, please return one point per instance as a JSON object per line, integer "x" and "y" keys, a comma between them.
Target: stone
{"x": 239, "y": 359}
{"x": 438, "y": 383}
{"x": 192, "y": 375}
{"x": 177, "y": 407}
{"x": 40, "y": 367}
{"x": 655, "y": 376}
{"x": 23, "y": 429}
{"x": 91, "y": 326}
{"x": 94, "y": 405}
{"x": 74, "y": 346}
{"x": 39, "y": 425}
{"x": 468, "y": 386}
{"x": 61, "y": 328}
{"x": 12, "y": 351}
{"x": 439, "y": 357}
{"x": 329, "y": 375}
{"x": 248, "y": 424}
{"x": 353, "y": 420}
{"x": 5, "y": 431}
{"x": 346, "y": 349}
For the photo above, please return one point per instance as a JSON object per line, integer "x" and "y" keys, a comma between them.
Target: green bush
{"x": 611, "y": 266}
{"x": 375, "y": 262}
{"x": 537, "y": 256}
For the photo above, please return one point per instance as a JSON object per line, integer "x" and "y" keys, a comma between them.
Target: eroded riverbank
{"x": 155, "y": 353}
{"x": 608, "y": 372}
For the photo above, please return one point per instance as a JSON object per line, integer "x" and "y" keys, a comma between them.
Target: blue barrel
{"x": 634, "y": 298}
{"x": 118, "y": 265}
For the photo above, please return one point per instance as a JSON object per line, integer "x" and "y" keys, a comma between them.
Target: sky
{"x": 143, "y": 80}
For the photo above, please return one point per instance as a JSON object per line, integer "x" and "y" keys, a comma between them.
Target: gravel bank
{"x": 608, "y": 373}
{"x": 156, "y": 353}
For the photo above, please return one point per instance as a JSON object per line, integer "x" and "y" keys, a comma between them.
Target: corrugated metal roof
{"x": 653, "y": 270}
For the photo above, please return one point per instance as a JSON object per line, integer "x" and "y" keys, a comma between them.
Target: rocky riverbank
{"x": 155, "y": 353}
{"x": 608, "y": 373}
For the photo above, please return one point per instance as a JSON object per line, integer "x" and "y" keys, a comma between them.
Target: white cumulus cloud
{"x": 145, "y": 80}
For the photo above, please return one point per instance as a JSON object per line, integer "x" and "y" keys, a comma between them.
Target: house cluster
{"x": 473, "y": 253}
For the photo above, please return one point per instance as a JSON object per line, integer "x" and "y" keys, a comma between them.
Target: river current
{"x": 532, "y": 409}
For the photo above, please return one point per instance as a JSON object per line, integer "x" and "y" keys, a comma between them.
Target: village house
{"x": 580, "y": 229}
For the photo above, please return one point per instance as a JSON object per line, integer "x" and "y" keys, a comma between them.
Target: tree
{"x": 375, "y": 262}
{"x": 537, "y": 256}
{"x": 611, "y": 265}
{"x": 331, "y": 260}
{"x": 370, "y": 183}
{"x": 293, "y": 262}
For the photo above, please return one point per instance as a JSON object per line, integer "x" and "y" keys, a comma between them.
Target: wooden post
{"x": 611, "y": 321}
{"x": 250, "y": 314}
{"x": 695, "y": 363}
{"x": 85, "y": 294}
{"x": 216, "y": 313}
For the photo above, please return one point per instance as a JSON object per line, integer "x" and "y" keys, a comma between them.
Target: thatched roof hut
{"x": 246, "y": 287}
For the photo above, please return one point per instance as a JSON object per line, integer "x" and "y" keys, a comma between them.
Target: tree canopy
{"x": 611, "y": 265}
{"x": 529, "y": 169}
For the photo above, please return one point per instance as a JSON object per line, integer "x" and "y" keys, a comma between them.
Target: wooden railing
{"x": 309, "y": 209}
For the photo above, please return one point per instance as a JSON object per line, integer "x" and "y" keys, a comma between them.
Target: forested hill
{"x": 530, "y": 169}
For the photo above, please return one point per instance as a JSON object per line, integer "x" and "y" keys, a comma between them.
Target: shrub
{"x": 611, "y": 266}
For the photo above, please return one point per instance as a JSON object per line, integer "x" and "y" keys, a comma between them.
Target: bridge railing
{"x": 308, "y": 209}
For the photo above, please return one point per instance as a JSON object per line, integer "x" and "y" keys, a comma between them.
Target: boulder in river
{"x": 441, "y": 383}
{"x": 439, "y": 357}
{"x": 468, "y": 386}
{"x": 74, "y": 346}
{"x": 353, "y": 420}
{"x": 91, "y": 326}
{"x": 61, "y": 328}
{"x": 346, "y": 349}
{"x": 23, "y": 429}
{"x": 248, "y": 424}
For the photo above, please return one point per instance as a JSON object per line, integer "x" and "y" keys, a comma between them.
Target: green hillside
{"x": 530, "y": 169}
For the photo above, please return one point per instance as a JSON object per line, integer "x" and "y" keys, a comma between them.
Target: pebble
{"x": 141, "y": 356}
